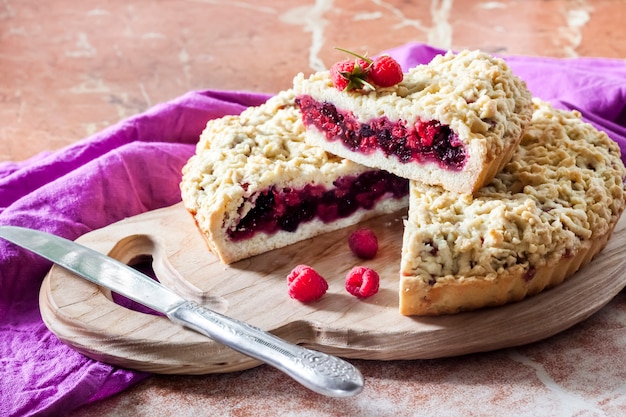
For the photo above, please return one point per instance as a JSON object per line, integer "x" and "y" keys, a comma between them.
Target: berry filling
{"x": 530, "y": 274}
{"x": 285, "y": 209}
{"x": 425, "y": 141}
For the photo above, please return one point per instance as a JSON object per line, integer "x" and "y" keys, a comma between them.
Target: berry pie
{"x": 454, "y": 122}
{"x": 255, "y": 185}
{"x": 549, "y": 211}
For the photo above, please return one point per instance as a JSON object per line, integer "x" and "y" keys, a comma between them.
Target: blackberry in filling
{"x": 426, "y": 141}
{"x": 285, "y": 209}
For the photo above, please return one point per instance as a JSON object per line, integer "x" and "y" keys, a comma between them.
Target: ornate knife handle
{"x": 320, "y": 372}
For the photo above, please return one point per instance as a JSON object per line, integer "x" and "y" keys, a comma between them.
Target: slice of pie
{"x": 255, "y": 185}
{"x": 548, "y": 213}
{"x": 454, "y": 122}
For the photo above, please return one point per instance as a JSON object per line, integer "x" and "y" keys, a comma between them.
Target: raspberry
{"x": 427, "y": 132}
{"x": 362, "y": 282}
{"x": 305, "y": 284}
{"x": 349, "y": 74}
{"x": 385, "y": 71}
{"x": 363, "y": 243}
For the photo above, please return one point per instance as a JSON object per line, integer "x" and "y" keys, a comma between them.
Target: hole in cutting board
{"x": 143, "y": 264}
{"x": 149, "y": 255}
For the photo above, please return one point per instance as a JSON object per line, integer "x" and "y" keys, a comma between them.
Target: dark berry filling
{"x": 530, "y": 274}
{"x": 285, "y": 209}
{"x": 426, "y": 141}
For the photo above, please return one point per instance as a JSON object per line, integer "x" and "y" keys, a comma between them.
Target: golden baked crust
{"x": 239, "y": 157}
{"x": 547, "y": 213}
{"x": 473, "y": 93}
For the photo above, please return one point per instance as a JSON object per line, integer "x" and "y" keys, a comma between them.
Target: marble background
{"x": 69, "y": 69}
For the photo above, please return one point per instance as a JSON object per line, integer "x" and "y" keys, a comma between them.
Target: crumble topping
{"x": 563, "y": 186}
{"x": 238, "y": 156}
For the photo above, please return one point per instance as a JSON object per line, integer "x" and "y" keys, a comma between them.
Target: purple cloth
{"x": 134, "y": 167}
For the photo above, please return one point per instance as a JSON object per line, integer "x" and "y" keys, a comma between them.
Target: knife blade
{"x": 323, "y": 373}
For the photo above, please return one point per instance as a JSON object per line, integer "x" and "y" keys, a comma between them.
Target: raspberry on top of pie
{"x": 545, "y": 215}
{"x": 453, "y": 122}
{"x": 255, "y": 185}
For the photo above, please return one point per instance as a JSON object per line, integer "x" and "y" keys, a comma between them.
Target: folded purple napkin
{"x": 134, "y": 167}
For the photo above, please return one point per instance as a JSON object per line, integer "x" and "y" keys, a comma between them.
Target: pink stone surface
{"x": 579, "y": 372}
{"x": 70, "y": 69}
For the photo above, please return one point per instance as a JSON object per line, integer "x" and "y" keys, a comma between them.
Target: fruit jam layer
{"x": 423, "y": 142}
{"x": 285, "y": 209}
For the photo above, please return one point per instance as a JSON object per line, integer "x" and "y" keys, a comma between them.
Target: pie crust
{"x": 262, "y": 150}
{"x": 550, "y": 210}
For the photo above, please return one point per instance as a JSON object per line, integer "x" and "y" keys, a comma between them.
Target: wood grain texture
{"x": 84, "y": 316}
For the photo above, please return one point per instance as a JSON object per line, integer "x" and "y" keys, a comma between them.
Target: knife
{"x": 320, "y": 372}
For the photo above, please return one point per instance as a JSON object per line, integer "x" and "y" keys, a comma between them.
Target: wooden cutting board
{"x": 84, "y": 316}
